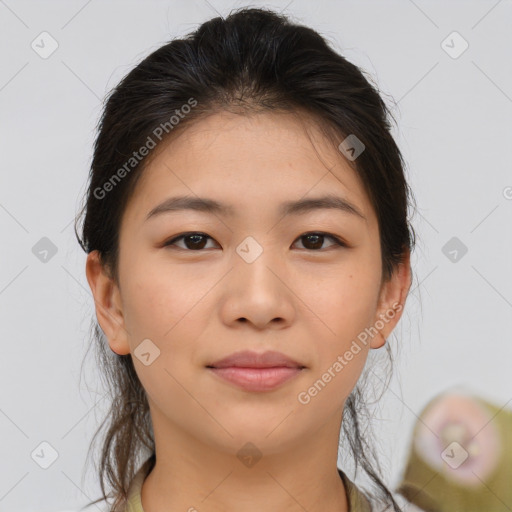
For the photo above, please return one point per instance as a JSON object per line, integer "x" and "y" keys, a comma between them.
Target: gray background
{"x": 454, "y": 117}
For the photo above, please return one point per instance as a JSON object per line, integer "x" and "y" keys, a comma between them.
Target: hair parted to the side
{"x": 254, "y": 60}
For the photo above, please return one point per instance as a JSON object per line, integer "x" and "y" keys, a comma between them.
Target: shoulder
{"x": 359, "y": 502}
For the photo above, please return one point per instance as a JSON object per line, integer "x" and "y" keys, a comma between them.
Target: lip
{"x": 254, "y": 371}
{"x": 250, "y": 359}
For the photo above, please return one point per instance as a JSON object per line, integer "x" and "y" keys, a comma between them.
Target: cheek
{"x": 163, "y": 307}
{"x": 160, "y": 302}
{"x": 344, "y": 299}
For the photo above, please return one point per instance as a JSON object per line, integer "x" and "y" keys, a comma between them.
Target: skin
{"x": 305, "y": 300}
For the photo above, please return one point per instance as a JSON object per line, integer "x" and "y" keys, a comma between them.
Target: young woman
{"x": 248, "y": 243}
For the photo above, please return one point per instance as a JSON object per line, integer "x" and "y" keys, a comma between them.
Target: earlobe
{"x": 378, "y": 341}
{"x": 392, "y": 301}
{"x": 385, "y": 323}
{"x": 107, "y": 304}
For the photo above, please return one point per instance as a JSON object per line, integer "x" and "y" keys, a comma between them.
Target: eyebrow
{"x": 299, "y": 207}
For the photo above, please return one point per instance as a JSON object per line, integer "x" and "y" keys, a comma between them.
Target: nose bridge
{"x": 252, "y": 260}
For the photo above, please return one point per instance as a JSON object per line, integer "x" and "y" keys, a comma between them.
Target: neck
{"x": 191, "y": 476}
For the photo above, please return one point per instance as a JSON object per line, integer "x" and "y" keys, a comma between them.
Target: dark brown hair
{"x": 254, "y": 60}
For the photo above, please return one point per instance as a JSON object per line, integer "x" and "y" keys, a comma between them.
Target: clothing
{"x": 356, "y": 499}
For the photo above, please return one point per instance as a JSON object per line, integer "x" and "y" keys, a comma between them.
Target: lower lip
{"x": 256, "y": 379}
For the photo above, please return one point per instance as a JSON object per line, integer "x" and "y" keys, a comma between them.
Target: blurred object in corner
{"x": 460, "y": 456}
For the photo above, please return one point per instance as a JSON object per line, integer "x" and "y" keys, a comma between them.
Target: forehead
{"x": 254, "y": 163}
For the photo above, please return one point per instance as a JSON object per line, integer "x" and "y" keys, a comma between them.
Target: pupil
{"x": 194, "y": 239}
{"x": 318, "y": 240}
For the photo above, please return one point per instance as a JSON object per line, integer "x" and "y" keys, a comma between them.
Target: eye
{"x": 315, "y": 240}
{"x": 193, "y": 241}
{"x": 196, "y": 241}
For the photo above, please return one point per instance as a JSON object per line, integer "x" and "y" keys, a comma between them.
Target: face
{"x": 198, "y": 284}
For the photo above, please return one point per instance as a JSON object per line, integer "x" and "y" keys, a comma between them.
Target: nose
{"x": 259, "y": 293}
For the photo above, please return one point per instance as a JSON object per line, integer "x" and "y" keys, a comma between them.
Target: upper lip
{"x": 250, "y": 359}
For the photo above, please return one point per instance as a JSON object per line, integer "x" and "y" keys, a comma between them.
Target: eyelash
{"x": 337, "y": 241}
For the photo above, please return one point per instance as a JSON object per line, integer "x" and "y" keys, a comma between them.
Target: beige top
{"x": 356, "y": 499}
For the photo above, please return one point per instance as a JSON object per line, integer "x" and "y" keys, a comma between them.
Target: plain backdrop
{"x": 454, "y": 109}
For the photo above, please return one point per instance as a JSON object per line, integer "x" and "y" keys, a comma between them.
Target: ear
{"x": 107, "y": 300}
{"x": 393, "y": 294}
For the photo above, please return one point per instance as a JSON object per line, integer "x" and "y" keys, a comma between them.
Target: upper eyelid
{"x": 337, "y": 240}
